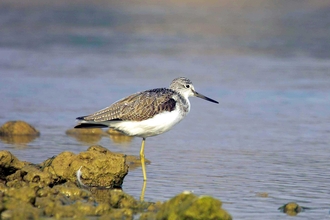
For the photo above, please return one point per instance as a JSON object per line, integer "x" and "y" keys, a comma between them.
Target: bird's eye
{"x": 187, "y": 86}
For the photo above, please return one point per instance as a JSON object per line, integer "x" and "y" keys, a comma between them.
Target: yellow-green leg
{"x": 142, "y": 160}
{"x": 143, "y": 191}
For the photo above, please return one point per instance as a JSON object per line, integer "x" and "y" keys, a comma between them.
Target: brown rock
{"x": 18, "y": 209}
{"x": 9, "y": 164}
{"x": 58, "y": 165}
{"x": 115, "y": 197}
{"x": 18, "y": 128}
{"x": 25, "y": 194}
{"x": 33, "y": 174}
{"x": 118, "y": 214}
{"x": 291, "y": 208}
{"x": 99, "y": 167}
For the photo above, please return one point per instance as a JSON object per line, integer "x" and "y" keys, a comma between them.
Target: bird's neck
{"x": 185, "y": 107}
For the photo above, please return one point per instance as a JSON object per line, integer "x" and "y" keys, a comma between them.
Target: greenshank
{"x": 147, "y": 113}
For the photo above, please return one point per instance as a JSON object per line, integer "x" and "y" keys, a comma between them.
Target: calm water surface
{"x": 269, "y": 134}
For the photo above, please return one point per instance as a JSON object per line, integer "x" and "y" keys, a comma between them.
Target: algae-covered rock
{"x": 27, "y": 175}
{"x": 118, "y": 214}
{"x": 115, "y": 197}
{"x": 33, "y": 174}
{"x": 18, "y": 209}
{"x": 77, "y": 209}
{"x": 18, "y": 128}
{"x": 3, "y": 187}
{"x": 58, "y": 166}
{"x": 71, "y": 191}
{"x": 291, "y": 208}
{"x": 9, "y": 164}
{"x": 24, "y": 194}
{"x": 189, "y": 206}
{"x": 50, "y": 189}
{"x": 152, "y": 210}
{"x": 68, "y": 200}
{"x": 99, "y": 167}
{"x": 148, "y": 216}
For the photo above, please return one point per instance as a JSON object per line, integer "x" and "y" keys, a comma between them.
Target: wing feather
{"x": 137, "y": 107}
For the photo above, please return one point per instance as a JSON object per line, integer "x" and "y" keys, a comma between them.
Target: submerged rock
{"x": 18, "y": 128}
{"x": 85, "y": 131}
{"x": 86, "y": 135}
{"x": 189, "y": 206}
{"x": 291, "y": 208}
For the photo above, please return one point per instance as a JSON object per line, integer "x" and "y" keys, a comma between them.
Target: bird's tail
{"x": 90, "y": 125}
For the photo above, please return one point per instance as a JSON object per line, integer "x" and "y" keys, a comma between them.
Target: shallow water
{"x": 269, "y": 134}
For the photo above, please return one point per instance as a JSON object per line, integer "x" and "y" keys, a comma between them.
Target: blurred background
{"x": 266, "y": 61}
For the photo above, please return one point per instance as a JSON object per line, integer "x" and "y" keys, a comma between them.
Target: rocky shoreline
{"x": 51, "y": 190}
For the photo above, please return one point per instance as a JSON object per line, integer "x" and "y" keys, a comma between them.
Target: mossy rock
{"x": 115, "y": 197}
{"x": 9, "y": 164}
{"x": 118, "y": 214}
{"x": 18, "y": 209}
{"x": 25, "y": 194}
{"x": 291, "y": 208}
{"x": 99, "y": 166}
{"x": 189, "y": 206}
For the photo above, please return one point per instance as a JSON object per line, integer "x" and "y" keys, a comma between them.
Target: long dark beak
{"x": 204, "y": 97}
